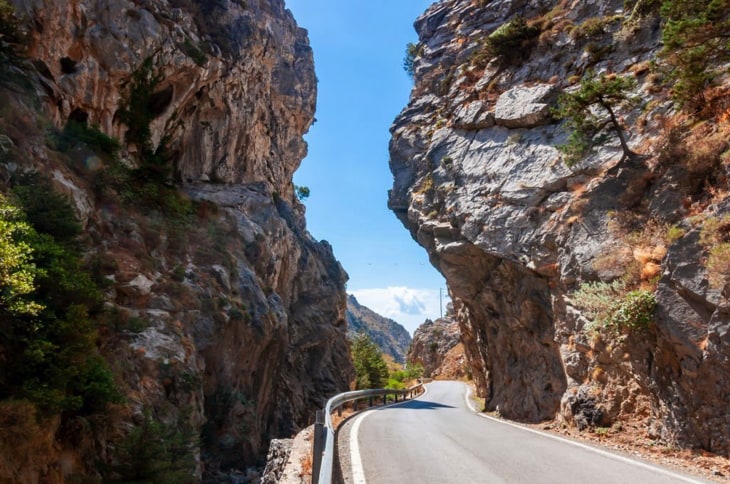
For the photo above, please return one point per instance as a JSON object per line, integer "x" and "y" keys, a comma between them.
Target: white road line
{"x": 583, "y": 446}
{"x": 358, "y": 473}
{"x": 467, "y": 399}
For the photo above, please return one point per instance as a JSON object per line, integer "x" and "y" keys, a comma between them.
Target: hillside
{"x": 564, "y": 164}
{"x": 392, "y": 338}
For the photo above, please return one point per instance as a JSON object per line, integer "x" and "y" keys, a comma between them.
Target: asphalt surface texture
{"x": 438, "y": 439}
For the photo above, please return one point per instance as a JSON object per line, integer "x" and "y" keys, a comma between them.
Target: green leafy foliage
{"x": 411, "y": 372}
{"x": 301, "y": 192}
{"x": 409, "y": 61}
{"x": 156, "y": 452}
{"x": 76, "y": 132}
{"x": 11, "y": 37}
{"x": 47, "y": 336}
{"x": 370, "y": 367}
{"x": 150, "y": 184}
{"x": 49, "y": 211}
{"x": 17, "y": 271}
{"x": 634, "y": 311}
{"x": 696, "y": 45}
{"x": 137, "y": 113}
{"x": 512, "y": 39}
{"x": 611, "y": 306}
{"x": 590, "y": 114}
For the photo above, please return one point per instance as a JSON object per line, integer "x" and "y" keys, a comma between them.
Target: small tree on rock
{"x": 696, "y": 46}
{"x": 590, "y": 112}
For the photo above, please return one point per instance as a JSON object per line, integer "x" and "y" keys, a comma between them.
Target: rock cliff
{"x": 437, "y": 348}
{"x": 391, "y": 337}
{"x": 174, "y": 128}
{"x": 547, "y": 261}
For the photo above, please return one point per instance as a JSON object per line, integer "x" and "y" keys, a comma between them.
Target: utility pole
{"x": 441, "y": 303}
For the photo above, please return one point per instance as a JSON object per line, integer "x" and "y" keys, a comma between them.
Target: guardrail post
{"x": 371, "y": 402}
{"x": 318, "y": 445}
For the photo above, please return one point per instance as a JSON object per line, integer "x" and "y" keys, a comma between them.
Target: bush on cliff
{"x": 696, "y": 47}
{"x": 47, "y": 335}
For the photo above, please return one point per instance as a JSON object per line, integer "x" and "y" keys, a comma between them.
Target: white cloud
{"x": 408, "y": 306}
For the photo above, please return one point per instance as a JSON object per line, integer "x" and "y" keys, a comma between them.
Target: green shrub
{"x": 597, "y": 298}
{"x": 611, "y": 307}
{"x": 409, "y": 61}
{"x": 513, "y": 38}
{"x": 92, "y": 136}
{"x": 301, "y": 192}
{"x": 695, "y": 46}
{"x": 47, "y": 335}
{"x": 394, "y": 384}
{"x": 48, "y": 211}
{"x": 674, "y": 233}
{"x": 591, "y": 28}
{"x": 634, "y": 311}
{"x": 155, "y": 452}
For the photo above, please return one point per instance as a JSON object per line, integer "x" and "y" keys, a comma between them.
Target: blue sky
{"x": 358, "y": 54}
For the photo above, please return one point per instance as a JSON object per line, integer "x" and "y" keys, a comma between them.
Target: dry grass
{"x": 305, "y": 465}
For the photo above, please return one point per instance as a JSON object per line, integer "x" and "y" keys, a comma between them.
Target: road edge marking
{"x": 358, "y": 473}
{"x": 606, "y": 453}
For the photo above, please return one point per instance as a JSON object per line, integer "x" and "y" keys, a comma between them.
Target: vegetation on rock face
{"x": 695, "y": 45}
{"x": 47, "y": 334}
{"x": 156, "y": 452}
{"x": 301, "y": 192}
{"x": 715, "y": 238}
{"x": 370, "y": 367}
{"x": 611, "y": 306}
{"x": 604, "y": 94}
{"x": 409, "y": 61}
{"x": 512, "y": 40}
{"x": 10, "y": 36}
{"x": 137, "y": 113}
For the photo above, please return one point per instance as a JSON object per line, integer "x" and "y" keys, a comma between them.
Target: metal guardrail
{"x": 323, "y": 448}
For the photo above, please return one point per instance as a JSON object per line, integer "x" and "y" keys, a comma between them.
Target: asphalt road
{"x": 438, "y": 439}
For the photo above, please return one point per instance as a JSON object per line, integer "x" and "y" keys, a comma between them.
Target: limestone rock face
{"x": 481, "y": 185}
{"x": 437, "y": 347}
{"x": 223, "y": 317}
{"x": 392, "y": 338}
{"x": 229, "y": 72}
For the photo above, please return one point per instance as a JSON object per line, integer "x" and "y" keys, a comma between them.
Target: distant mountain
{"x": 392, "y": 338}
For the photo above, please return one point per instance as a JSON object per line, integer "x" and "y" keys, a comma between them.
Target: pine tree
{"x": 370, "y": 367}
{"x": 590, "y": 112}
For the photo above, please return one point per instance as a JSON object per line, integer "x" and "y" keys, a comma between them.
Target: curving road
{"x": 438, "y": 439}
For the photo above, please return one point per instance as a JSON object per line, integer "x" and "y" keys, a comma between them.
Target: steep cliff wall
{"x": 391, "y": 337}
{"x": 545, "y": 260}
{"x": 223, "y": 319}
{"x": 437, "y": 348}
